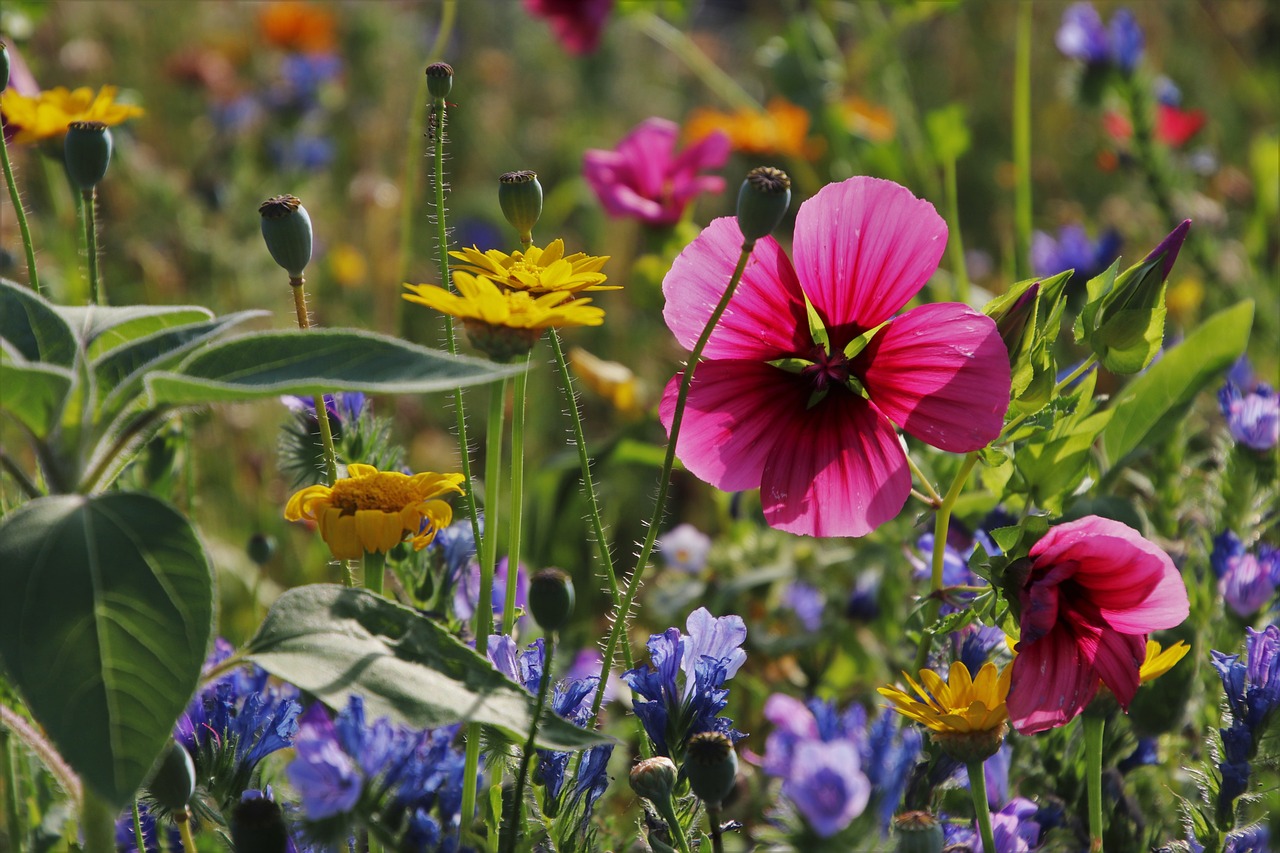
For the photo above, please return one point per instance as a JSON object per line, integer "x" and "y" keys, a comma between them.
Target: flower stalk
{"x": 941, "y": 523}
{"x": 88, "y": 202}
{"x": 1022, "y": 141}
{"x": 374, "y": 569}
{"x": 19, "y": 214}
{"x": 1093, "y": 727}
{"x": 515, "y": 817}
{"x": 978, "y": 788}
{"x": 520, "y": 386}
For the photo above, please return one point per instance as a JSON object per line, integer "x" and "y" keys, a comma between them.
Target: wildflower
{"x": 806, "y": 414}
{"x": 872, "y": 122}
{"x": 780, "y": 128}
{"x": 1174, "y": 126}
{"x": 49, "y": 114}
{"x": 1253, "y": 417}
{"x": 864, "y": 602}
{"x": 577, "y": 24}
{"x": 1014, "y": 829}
{"x": 685, "y": 548}
{"x": 466, "y": 595}
{"x": 974, "y": 645}
{"x": 1159, "y": 661}
{"x": 343, "y": 408}
{"x": 827, "y": 785}
{"x": 127, "y": 839}
{"x": 806, "y": 602}
{"x": 682, "y": 690}
{"x": 372, "y": 510}
{"x": 297, "y": 26}
{"x": 1095, "y": 589}
{"x": 1145, "y": 754}
{"x": 1246, "y": 580}
{"x": 612, "y": 380}
{"x": 645, "y": 178}
{"x": 537, "y": 271}
{"x": 967, "y": 715}
{"x": 1252, "y": 688}
{"x": 455, "y": 546}
{"x": 1073, "y": 250}
{"x": 1082, "y": 36}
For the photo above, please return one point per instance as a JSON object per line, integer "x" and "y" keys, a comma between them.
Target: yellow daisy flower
{"x": 537, "y": 270}
{"x": 1159, "y": 662}
{"x": 47, "y": 115}
{"x": 613, "y": 381}
{"x": 371, "y": 510}
{"x": 967, "y": 716}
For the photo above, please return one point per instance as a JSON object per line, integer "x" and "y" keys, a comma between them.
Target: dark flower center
{"x": 826, "y": 369}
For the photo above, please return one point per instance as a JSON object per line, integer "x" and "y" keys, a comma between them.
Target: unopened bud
{"x": 917, "y": 832}
{"x": 551, "y": 599}
{"x": 261, "y": 547}
{"x": 520, "y": 196}
{"x": 763, "y": 200}
{"x": 174, "y": 781}
{"x": 1012, "y": 322}
{"x": 286, "y": 226}
{"x": 711, "y": 766}
{"x": 654, "y": 778}
{"x": 439, "y": 79}
{"x": 257, "y": 825}
{"x": 87, "y": 150}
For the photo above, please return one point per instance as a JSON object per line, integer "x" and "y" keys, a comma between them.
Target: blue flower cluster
{"x": 1073, "y": 250}
{"x": 1253, "y": 695}
{"x": 1252, "y": 409}
{"x": 1014, "y": 829}
{"x": 1083, "y": 36}
{"x": 127, "y": 838}
{"x": 1247, "y": 581}
{"x": 681, "y": 692}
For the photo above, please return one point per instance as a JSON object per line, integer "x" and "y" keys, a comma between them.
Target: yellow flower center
{"x": 385, "y": 490}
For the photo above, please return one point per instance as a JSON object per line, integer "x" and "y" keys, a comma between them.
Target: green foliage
{"x": 1123, "y": 321}
{"x": 948, "y": 131}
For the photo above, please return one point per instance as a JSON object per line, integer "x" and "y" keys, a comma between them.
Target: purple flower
{"x": 645, "y": 177}
{"x": 1252, "y": 417}
{"x": 1145, "y": 754}
{"x": 684, "y": 547}
{"x": 1082, "y": 36}
{"x": 324, "y": 776}
{"x": 806, "y": 602}
{"x": 1013, "y": 828}
{"x": 1247, "y": 581}
{"x": 827, "y": 785}
{"x": 467, "y": 594}
{"x": 1125, "y": 40}
{"x": 1249, "y": 839}
{"x": 995, "y": 772}
{"x": 456, "y": 547}
{"x": 577, "y": 24}
{"x": 864, "y": 602}
{"x": 127, "y": 841}
{"x": 1073, "y": 250}
{"x": 302, "y": 152}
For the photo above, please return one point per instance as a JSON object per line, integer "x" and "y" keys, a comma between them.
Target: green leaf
{"x": 1168, "y": 387}
{"x": 34, "y": 393}
{"x": 102, "y": 329}
{"x": 333, "y": 642}
{"x": 32, "y": 328}
{"x": 948, "y": 132}
{"x": 104, "y": 624}
{"x": 817, "y": 329}
{"x": 311, "y": 361}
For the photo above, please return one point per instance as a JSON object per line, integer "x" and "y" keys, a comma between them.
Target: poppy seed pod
{"x": 917, "y": 832}
{"x": 551, "y": 599}
{"x": 439, "y": 79}
{"x": 87, "y": 150}
{"x": 174, "y": 780}
{"x": 763, "y": 200}
{"x": 257, "y": 826}
{"x": 711, "y": 766}
{"x": 520, "y": 196}
{"x": 286, "y": 227}
{"x": 654, "y": 778}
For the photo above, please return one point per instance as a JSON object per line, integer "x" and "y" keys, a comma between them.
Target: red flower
{"x": 1095, "y": 591}
{"x": 576, "y": 23}
{"x": 1174, "y": 126}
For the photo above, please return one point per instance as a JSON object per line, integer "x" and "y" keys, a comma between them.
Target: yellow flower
{"x": 870, "y": 121}
{"x": 961, "y": 704}
{"x": 781, "y": 128}
{"x": 537, "y": 270}
{"x": 611, "y": 380}
{"x": 47, "y": 115}
{"x": 372, "y": 510}
{"x": 1159, "y": 662}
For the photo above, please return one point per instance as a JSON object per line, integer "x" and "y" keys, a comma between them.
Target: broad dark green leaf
{"x": 102, "y": 328}
{"x": 33, "y": 328}
{"x": 313, "y": 361}
{"x": 34, "y": 393}
{"x": 1172, "y": 383}
{"x": 104, "y": 624}
{"x": 332, "y": 642}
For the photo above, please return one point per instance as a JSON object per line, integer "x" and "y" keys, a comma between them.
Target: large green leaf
{"x": 34, "y": 394}
{"x": 332, "y": 642}
{"x": 33, "y": 328}
{"x": 102, "y": 329}
{"x": 311, "y": 361}
{"x": 1169, "y": 385}
{"x": 104, "y": 623}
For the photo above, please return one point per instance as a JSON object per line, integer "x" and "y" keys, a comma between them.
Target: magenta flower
{"x": 645, "y": 178}
{"x": 812, "y": 426}
{"x": 1096, "y": 589}
{"x": 576, "y": 23}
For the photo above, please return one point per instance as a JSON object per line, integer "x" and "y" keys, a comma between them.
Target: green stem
{"x": 137, "y": 828}
{"x": 713, "y": 821}
{"x": 623, "y": 612}
{"x": 512, "y": 828}
{"x": 21, "y": 215}
{"x": 941, "y": 523}
{"x": 1080, "y": 370}
{"x": 1022, "y": 142}
{"x": 520, "y": 385}
{"x": 931, "y": 494}
{"x": 375, "y": 563}
{"x": 25, "y": 483}
{"x": 105, "y": 470}
{"x": 9, "y": 779}
{"x": 956, "y": 244}
{"x": 88, "y": 202}
{"x": 98, "y": 824}
{"x": 667, "y": 807}
{"x": 184, "y": 831}
{"x": 978, "y": 788}
{"x": 298, "y": 285}
{"x": 1093, "y": 726}
{"x": 715, "y": 79}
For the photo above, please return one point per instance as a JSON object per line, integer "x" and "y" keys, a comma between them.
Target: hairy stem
{"x": 520, "y": 385}
{"x": 1022, "y": 141}
{"x": 33, "y": 277}
{"x": 511, "y": 829}
{"x": 978, "y": 788}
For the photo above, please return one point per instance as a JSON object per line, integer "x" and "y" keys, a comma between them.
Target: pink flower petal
{"x": 647, "y": 150}
{"x": 941, "y": 372}
{"x": 863, "y": 248}
{"x": 731, "y": 419}
{"x": 765, "y": 319}
{"x": 1051, "y": 683}
{"x": 836, "y": 469}
{"x": 1117, "y": 659}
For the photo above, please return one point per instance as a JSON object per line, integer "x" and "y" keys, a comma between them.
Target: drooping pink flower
{"x": 1096, "y": 589}
{"x": 810, "y": 426}
{"x": 645, "y": 178}
{"x": 576, "y": 23}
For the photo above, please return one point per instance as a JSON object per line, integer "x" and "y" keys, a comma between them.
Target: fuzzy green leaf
{"x": 32, "y": 328}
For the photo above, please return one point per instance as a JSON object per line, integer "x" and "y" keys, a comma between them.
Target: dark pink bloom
{"x": 1095, "y": 591}
{"x": 576, "y": 23}
{"x": 645, "y": 178}
{"x": 816, "y": 433}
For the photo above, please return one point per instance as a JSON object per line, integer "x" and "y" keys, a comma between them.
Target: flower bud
{"x": 439, "y": 79}
{"x": 261, "y": 548}
{"x": 257, "y": 825}
{"x": 711, "y": 766}
{"x": 654, "y": 778}
{"x": 917, "y": 832}
{"x": 286, "y": 226}
{"x": 174, "y": 781}
{"x": 1012, "y": 322}
{"x": 763, "y": 200}
{"x": 551, "y": 599}
{"x": 87, "y": 150}
{"x": 520, "y": 196}
{"x": 969, "y": 747}
{"x": 4, "y": 66}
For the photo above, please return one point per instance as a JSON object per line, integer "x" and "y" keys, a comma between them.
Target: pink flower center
{"x": 827, "y": 368}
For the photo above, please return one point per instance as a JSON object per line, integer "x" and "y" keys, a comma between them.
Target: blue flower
{"x": 1252, "y": 417}
{"x": 684, "y": 548}
{"x": 1145, "y": 754}
{"x": 864, "y": 602}
{"x": 127, "y": 839}
{"x": 806, "y": 602}
{"x": 1249, "y": 839}
{"x": 1014, "y": 829}
{"x": 1073, "y": 250}
{"x": 1125, "y": 40}
{"x": 467, "y": 594}
{"x": 325, "y": 777}
{"x": 456, "y": 547}
{"x": 974, "y": 644}
{"x": 1082, "y": 36}
{"x": 827, "y": 785}
{"x": 1253, "y": 689}
{"x": 1249, "y": 582}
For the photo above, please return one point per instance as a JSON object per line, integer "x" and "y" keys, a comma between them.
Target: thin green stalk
{"x": 98, "y": 824}
{"x": 137, "y": 827}
{"x": 33, "y": 277}
{"x": 184, "y": 831}
{"x": 717, "y": 836}
{"x": 931, "y": 494}
{"x": 941, "y": 523}
{"x": 715, "y": 79}
{"x": 520, "y": 386}
{"x": 298, "y": 285}
{"x": 978, "y": 788}
{"x": 1022, "y": 141}
{"x": 667, "y": 808}
{"x": 1080, "y": 370}
{"x": 621, "y": 615}
{"x": 12, "y": 824}
{"x": 88, "y": 220}
{"x": 512, "y": 828}
{"x": 956, "y": 244}
{"x": 1093, "y": 726}
{"x": 375, "y": 567}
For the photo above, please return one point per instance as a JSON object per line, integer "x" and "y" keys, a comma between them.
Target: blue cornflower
{"x": 127, "y": 839}
{"x": 467, "y": 593}
{"x": 1014, "y": 829}
{"x": 889, "y": 753}
{"x": 682, "y": 692}
{"x": 684, "y": 548}
{"x": 1252, "y": 688}
{"x": 864, "y": 602}
{"x": 1073, "y": 250}
{"x": 1145, "y": 754}
{"x": 806, "y": 602}
{"x": 974, "y": 645}
{"x": 1082, "y": 36}
{"x": 344, "y": 408}
{"x": 1253, "y": 416}
{"x": 325, "y": 777}
{"x": 456, "y": 547}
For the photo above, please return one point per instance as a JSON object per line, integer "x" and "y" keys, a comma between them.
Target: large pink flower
{"x": 1096, "y": 589}
{"x": 816, "y": 433}
{"x": 645, "y": 178}
{"x": 576, "y": 23}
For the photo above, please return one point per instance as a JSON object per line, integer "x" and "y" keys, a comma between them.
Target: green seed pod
{"x": 4, "y": 66}
{"x": 551, "y": 599}
{"x": 261, "y": 548}
{"x": 763, "y": 200}
{"x": 286, "y": 226}
{"x": 174, "y": 781}
{"x": 439, "y": 79}
{"x": 654, "y": 778}
{"x": 520, "y": 196}
{"x": 917, "y": 832}
{"x": 711, "y": 766}
{"x": 87, "y": 149}
{"x": 257, "y": 826}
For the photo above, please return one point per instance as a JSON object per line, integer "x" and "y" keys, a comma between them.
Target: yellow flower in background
{"x": 961, "y": 704}
{"x": 613, "y": 381}
{"x": 781, "y": 128}
{"x": 371, "y": 510}
{"x": 537, "y": 270}
{"x": 1159, "y": 662}
{"x": 47, "y": 115}
{"x": 872, "y": 122}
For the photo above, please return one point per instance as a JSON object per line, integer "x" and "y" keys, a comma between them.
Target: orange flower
{"x": 294, "y": 25}
{"x": 872, "y": 122}
{"x": 782, "y": 128}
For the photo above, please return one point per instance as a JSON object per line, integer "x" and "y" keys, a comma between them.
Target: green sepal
{"x": 859, "y": 343}
{"x": 791, "y": 365}
{"x": 1123, "y": 322}
{"x": 817, "y": 329}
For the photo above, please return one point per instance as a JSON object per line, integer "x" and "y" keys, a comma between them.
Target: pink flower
{"x": 815, "y": 433}
{"x": 576, "y": 23}
{"x": 1096, "y": 589}
{"x": 644, "y": 178}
